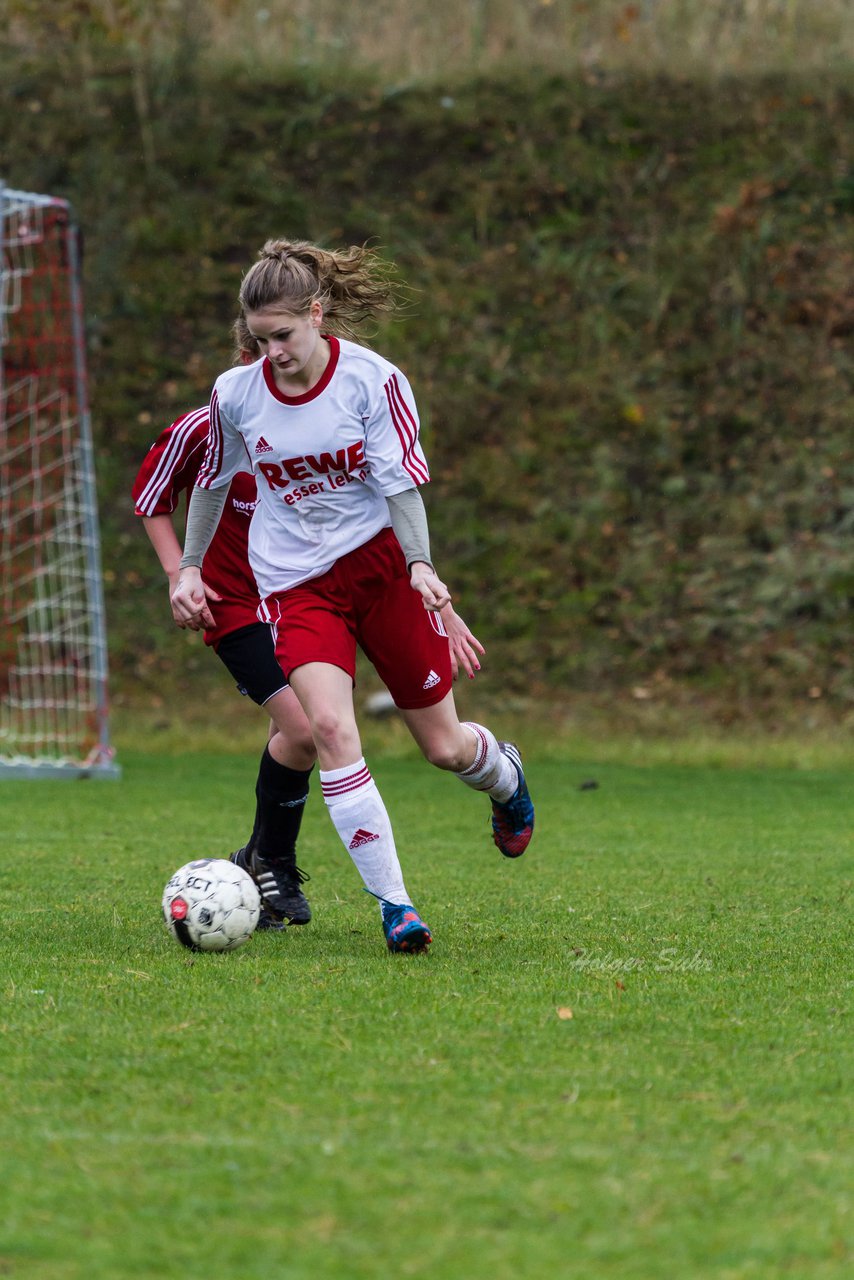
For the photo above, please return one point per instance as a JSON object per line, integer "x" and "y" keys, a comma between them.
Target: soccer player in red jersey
{"x": 339, "y": 547}
{"x": 245, "y": 646}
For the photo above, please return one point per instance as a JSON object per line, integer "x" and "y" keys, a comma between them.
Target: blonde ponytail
{"x": 352, "y": 285}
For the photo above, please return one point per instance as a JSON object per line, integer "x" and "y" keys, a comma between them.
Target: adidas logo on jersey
{"x": 362, "y": 837}
{"x": 263, "y": 447}
{"x": 431, "y": 681}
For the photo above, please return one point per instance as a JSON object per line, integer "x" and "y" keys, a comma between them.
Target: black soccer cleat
{"x": 268, "y": 922}
{"x": 278, "y": 882}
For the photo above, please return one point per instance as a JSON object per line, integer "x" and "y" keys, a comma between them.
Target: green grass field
{"x": 624, "y": 1057}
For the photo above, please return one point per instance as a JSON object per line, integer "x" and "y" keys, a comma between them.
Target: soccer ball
{"x": 211, "y": 905}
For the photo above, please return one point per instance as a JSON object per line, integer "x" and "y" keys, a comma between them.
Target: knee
{"x": 294, "y": 749}
{"x": 296, "y": 737}
{"x": 304, "y": 742}
{"x": 332, "y": 732}
{"x": 291, "y": 740}
{"x": 445, "y": 754}
{"x": 305, "y": 749}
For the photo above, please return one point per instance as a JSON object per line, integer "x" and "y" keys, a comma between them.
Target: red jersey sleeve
{"x": 171, "y": 465}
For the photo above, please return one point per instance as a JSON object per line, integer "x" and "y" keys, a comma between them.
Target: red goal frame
{"x": 53, "y": 646}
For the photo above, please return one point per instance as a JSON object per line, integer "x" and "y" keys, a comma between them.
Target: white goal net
{"x": 53, "y": 653}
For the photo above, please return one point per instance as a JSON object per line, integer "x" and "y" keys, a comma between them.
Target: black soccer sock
{"x": 280, "y": 795}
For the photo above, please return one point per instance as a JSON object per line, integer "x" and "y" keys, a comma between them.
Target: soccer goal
{"x": 53, "y": 651}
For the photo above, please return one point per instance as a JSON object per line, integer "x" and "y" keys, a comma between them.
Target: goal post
{"x": 53, "y": 647}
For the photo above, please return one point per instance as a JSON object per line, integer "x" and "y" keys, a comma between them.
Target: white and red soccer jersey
{"x": 324, "y": 461}
{"x": 170, "y": 469}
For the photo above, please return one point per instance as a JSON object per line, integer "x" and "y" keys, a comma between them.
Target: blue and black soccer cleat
{"x": 404, "y": 929}
{"x": 513, "y": 819}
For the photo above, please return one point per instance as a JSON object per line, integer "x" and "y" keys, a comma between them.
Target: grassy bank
{"x": 629, "y": 333}
{"x": 402, "y": 42}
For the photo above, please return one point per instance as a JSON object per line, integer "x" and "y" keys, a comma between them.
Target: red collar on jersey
{"x": 319, "y": 386}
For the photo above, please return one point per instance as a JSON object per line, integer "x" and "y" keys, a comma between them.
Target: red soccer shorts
{"x": 366, "y": 599}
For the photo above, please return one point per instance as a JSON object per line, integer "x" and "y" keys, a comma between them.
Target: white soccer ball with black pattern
{"x": 211, "y": 905}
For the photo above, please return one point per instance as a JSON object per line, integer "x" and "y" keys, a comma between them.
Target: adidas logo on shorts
{"x": 431, "y": 681}
{"x": 362, "y": 837}
{"x": 263, "y": 447}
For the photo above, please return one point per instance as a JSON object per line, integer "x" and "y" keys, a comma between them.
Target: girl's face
{"x": 291, "y": 343}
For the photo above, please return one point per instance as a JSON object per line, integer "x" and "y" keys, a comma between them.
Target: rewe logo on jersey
{"x": 362, "y": 837}
{"x": 279, "y": 475}
{"x": 431, "y": 681}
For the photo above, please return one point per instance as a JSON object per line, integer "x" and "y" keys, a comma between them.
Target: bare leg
{"x": 325, "y": 693}
{"x": 467, "y": 749}
{"x": 445, "y": 742}
{"x": 291, "y": 743}
{"x": 354, "y": 803}
{"x": 483, "y": 763}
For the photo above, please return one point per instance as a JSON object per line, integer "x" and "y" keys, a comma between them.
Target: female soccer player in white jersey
{"x": 340, "y": 549}
{"x": 246, "y": 648}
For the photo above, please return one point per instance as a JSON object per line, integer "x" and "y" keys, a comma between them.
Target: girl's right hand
{"x": 424, "y": 579}
{"x": 189, "y": 601}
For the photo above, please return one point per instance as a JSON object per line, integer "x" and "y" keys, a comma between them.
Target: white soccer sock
{"x": 491, "y": 770}
{"x": 357, "y": 810}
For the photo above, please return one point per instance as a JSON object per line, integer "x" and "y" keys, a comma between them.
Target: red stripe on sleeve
{"x": 414, "y": 462}
{"x": 171, "y": 464}
{"x": 212, "y": 464}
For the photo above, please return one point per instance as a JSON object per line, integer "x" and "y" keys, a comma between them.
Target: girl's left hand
{"x": 464, "y": 645}
{"x": 424, "y": 579}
